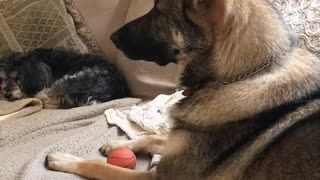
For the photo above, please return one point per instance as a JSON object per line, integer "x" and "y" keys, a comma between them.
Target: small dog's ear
{"x": 34, "y": 76}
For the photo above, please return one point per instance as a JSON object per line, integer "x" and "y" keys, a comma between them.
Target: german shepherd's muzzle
{"x": 137, "y": 40}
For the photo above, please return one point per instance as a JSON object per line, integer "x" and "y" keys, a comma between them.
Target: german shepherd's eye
{"x": 176, "y": 32}
{"x": 2, "y": 80}
{"x": 17, "y": 80}
{"x": 159, "y": 12}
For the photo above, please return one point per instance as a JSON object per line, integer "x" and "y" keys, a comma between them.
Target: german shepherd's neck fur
{"x": 259, "y": 39}
{"x": 235, "y": 120}
{"x": 242, "y": 40}
{"x": 250, "y": 33}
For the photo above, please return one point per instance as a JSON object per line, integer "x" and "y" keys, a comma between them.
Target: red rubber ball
{"x": 122, "y": 157}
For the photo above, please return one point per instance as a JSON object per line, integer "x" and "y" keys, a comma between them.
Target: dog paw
{"x": 63, "y": 162}
{"x": 111, "y": 145}
{"x": 48, "y": 101}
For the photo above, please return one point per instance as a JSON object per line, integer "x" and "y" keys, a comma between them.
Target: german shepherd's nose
{"x": 145, "y": 39}
{"x": 115, "y": 38}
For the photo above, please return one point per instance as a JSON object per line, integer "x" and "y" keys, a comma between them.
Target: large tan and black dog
{"x": 252, "y": 107}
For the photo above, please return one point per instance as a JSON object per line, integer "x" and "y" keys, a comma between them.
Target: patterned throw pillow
{"x": 82, "y": 29}
{"x": 303, "y": 17}
{"x": 29, "y": 24}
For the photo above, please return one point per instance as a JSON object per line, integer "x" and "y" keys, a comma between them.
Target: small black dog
{"x": 61, "y": 79}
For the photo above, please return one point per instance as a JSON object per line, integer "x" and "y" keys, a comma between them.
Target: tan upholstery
{"x": 29, "y": 24}
{"x": 103, "y": 17}
{"x": 145, "y": 79}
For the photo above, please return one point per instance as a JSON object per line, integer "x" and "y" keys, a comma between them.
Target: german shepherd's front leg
{"x": 152, "y": 144}
{"x": 93, "y": 168}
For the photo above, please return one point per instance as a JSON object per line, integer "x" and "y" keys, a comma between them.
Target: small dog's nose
{"x": 115, "y": 38}
{"x": 8, "y": 95}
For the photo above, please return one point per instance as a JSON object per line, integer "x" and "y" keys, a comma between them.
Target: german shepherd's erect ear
{"x": 214, "y": 16}
{"x": 208, "y": 15}
{"x": 210, "y": 10}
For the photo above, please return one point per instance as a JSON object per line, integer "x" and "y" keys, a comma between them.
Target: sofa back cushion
{"x": 30, "y": 24}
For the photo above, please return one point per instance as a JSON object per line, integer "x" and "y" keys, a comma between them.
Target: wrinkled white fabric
{"x": 303, "y": 17}
{"x": 146, "y": 118}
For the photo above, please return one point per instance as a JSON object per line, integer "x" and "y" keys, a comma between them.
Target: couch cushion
{"x": 29, "y": 24}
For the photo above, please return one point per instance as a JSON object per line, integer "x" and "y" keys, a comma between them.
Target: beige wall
{"x": 104, "y": 17}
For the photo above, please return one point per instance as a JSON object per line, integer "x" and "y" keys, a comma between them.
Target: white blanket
{"x": 145, "y": 118}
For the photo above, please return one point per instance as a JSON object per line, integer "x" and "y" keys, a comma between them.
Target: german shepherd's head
{"x": 217, "y": 38}
{"x": 164, "y": 35}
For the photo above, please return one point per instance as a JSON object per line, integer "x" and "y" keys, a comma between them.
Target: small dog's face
{"x": 171, "y": 31}
{"x": 9, "y": 85}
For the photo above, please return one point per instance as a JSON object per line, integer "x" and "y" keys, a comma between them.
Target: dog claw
{"x": 111, "y": 145}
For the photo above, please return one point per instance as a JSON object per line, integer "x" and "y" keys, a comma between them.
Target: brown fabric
{"x": 29, "y": 24}
{"x": 7, "y": 107}
{"x": 17, "y": 109}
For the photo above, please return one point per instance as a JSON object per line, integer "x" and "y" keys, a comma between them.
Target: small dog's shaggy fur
{"x": 61, "y": 79}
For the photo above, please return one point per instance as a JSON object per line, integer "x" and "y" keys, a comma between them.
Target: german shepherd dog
{"x": 252, "y": 107}
{"x": 60, "y": 79}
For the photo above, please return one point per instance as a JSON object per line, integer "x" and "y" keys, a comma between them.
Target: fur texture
{"x": 265, "y": 126}
{"x": 61, "y": 79}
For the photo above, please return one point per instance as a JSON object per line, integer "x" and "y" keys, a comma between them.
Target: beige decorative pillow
{"x": 29, "y": 24}
{"x": 82, "y": 29}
